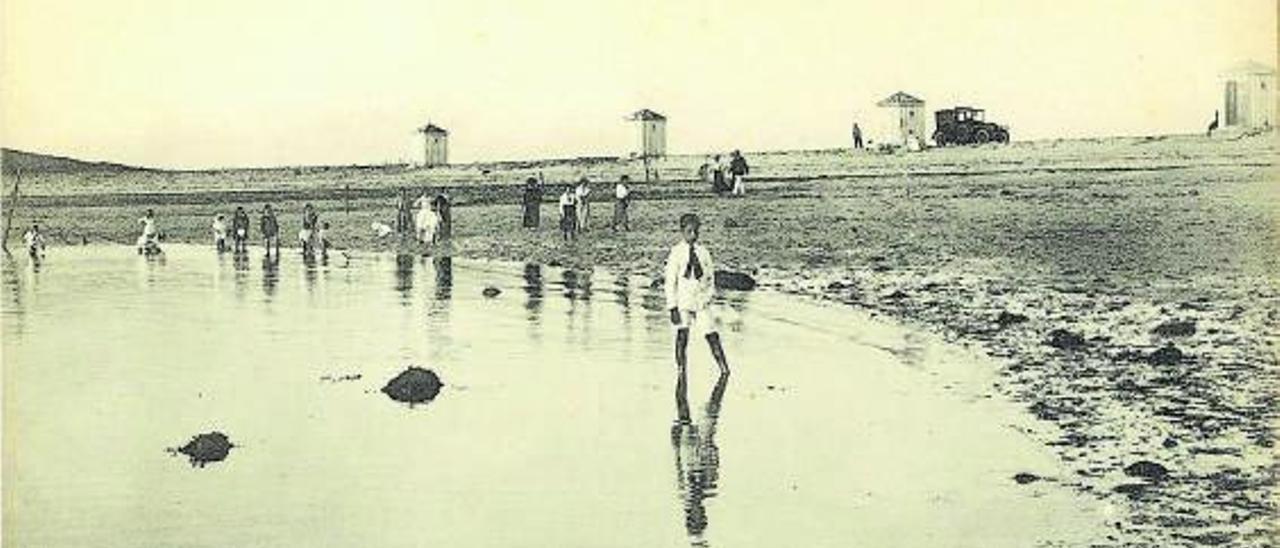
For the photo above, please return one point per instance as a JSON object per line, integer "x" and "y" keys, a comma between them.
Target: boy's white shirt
{"x": 620, "y": 191}
{"x": 148, "y": 225}
{"x": 684, "y": 293}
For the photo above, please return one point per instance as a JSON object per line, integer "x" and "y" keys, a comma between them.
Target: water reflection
{"x": 404, "y": 277}
{"x": 13, "y": 291}
{"x": 444, "y": 276}
{"x": 697, "y": 457}
{"x": 270, "y": 275}
{"x": 533, "y": 290}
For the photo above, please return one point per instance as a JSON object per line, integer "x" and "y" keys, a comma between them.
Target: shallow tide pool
{"x": 558, "y": 424}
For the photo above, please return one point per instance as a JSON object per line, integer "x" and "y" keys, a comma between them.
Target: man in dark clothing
{"x": 240, "y": 230}
{"x": 270, "y": 227}
{"x": 738, "y": 169}
{"x": 857, "y": 136}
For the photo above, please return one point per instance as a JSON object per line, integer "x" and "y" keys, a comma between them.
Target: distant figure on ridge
{"x": 1213, "y": 126}
{"x": 857, "y": 136}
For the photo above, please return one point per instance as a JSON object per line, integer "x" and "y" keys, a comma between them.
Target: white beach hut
{"x": 1248, "y": 97}
{"x": 435, "y": 145}
{"x": 907, "y": 119}
{"x": 653, "y": 133}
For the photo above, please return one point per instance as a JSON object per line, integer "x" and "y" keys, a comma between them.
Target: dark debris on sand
{"x": 206, "y": 448}
{"x": 413, "y": 386}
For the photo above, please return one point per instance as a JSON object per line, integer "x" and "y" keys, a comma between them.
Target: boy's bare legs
{"x": 682, "y": 359}
{"x": 713, "y": 340}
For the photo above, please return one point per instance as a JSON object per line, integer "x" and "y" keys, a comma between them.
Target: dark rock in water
{"x": 1006, "y": 319}
{"x": 491, "y": 292}
{"x": 1213, "y": 538}
{"x": 656, "y": 283}
{"x": 414, "y": 385}
{"x": 1128, "y": 385}
{"x": 1024, "y": 478}
{"x": 206, "y": 448}
{"x": 1147, "y": 469}
{"x": 1169, "y": 355}
{"x": 734, "y": 280}
{"x": 1169, "y": 443}
{"x": 1175, "y": 329}
{"x": 1065, "y": 340}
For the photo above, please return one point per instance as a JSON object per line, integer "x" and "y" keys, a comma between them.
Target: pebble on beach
{"x": 1147, "y": 470}
{"x": 1175, "y": 329}
{"x": 206, "y": 448}
{"x": 491, "y": 292}
{"x": 1167, "y": 355}
{"x": 414, "y": 385}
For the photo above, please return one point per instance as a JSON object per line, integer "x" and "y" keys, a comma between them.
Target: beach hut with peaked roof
{"x": 435, "y": 145}
{"x": 1248, "y": 97}
{"x": 653, "y": 133}
{"x": 906, "y": 119}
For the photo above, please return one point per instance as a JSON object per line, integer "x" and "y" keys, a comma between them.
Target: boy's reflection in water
{"x": 697, "y": 457}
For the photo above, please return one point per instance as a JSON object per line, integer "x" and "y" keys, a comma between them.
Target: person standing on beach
{"x": 738, "y": 168}
{"x": 689, "y": 287}
{"x": 270, "y": 227}
{"x": 34, "y": 240}
{"x": 532, "y": 202}
{"x": 717, "y": 176}
{"x": 583, "y": 200}
{"x": 307, "y": 236}
{"x": 240, "y": 229}
{"x": 147, "y": 241}
{"x": 622, "y": 200}
{"x": 219, "y": 233}
{"x": 569, "y": 214}
{"x": 857, "y": 136}
{"x": 445, "y": 213}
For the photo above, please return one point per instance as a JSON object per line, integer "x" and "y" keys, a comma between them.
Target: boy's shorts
{"x": 304, "y": 235}
{"x": 699, "y": 322}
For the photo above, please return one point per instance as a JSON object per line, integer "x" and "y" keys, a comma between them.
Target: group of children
{"x": 725, "y": 178}
{"x": 313, "y": 237}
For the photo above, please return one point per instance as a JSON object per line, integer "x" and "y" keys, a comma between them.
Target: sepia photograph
{"x": 677, "y": 273}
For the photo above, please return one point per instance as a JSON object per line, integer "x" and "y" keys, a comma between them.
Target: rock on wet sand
{"x": 734, "y": 280}
{"x": 491, "y": 292}
{"x": 206, "y": 448}
{"x": 413, "y": 385}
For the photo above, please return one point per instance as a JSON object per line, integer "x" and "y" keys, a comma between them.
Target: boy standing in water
{"x": 689, "y": 287}
{"x": 147, "y": 242}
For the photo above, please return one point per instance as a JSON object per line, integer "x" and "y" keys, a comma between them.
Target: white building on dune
{"x": 653, "y": 133}
{"x": 435, "y": 145}
{"x": 906, "y": 123}
{"x": 1248, "y": 98}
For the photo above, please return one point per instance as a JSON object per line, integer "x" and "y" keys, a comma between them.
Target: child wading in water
{"x": 147, "y": 244}
{"x": 689, "y": 288}
{"x": 569, "y": 214}
{"x": 219, "y": 233}
{"x": 35, "y": 241}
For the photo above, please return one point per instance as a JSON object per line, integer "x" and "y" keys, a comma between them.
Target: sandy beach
{"x": 1125, "y": 288}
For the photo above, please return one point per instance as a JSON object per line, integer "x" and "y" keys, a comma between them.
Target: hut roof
{"x": 432, "y": 128}
{"x": 645, "y": 114}
{"x": 1249, "y": 67}
{"x": 900, "y": 99}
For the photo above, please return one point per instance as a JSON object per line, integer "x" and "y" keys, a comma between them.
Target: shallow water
{"x": 558, "y": 424}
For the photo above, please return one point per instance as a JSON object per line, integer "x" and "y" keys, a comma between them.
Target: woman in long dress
{"x": 532, "y": 202}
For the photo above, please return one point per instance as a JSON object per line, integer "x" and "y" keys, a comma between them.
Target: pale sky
{"x": 238, "y": 83}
